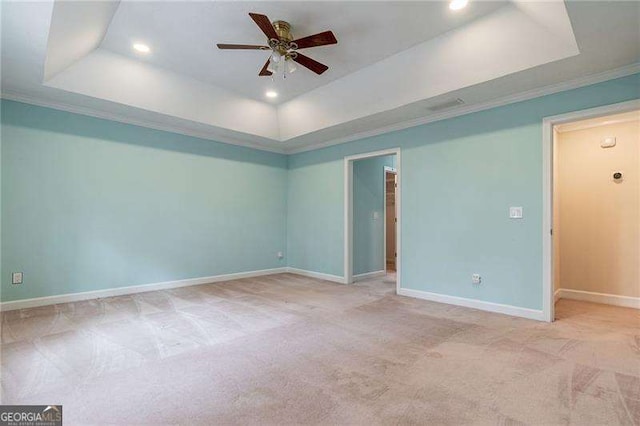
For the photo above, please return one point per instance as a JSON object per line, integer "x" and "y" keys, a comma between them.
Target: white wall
{"x": 597, "y": 220}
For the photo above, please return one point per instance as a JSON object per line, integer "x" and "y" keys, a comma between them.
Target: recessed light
{"x": 458, "y": 4}
{"x": 271, "y": 94}
{"x": 142, "y": 48}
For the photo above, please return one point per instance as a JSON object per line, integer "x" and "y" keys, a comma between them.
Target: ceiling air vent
{"x": 445, "y": 105}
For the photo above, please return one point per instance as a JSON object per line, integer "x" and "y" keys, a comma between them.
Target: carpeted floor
{"x": 286, "y": 349}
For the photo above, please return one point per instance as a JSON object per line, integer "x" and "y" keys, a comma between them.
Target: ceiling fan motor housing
{"x": 283, "y": 29}
{"x": 283, "y": 46}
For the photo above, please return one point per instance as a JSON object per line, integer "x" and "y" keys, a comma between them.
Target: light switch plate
{"x": 476, "y": 279}
{"x": 16, "y": 278}
{"x": 515, "y": 212}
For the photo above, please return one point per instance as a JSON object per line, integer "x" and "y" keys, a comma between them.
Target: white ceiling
{"x": 392, "y": 61}
{"x": 183, "y": 37}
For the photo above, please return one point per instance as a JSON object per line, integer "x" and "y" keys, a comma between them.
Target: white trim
{"x": 369, "y": 275}
{"x": 319, "y": 275}
{"x": 518, "y": 97}
{"x": 348, "y": 211}
{"x": 515, "y": 311}
{"x": 348, "y": 219}
{"x": 548, "y": 123}
{"x": 121, "y": 118}
{"x": 604, "y": 298}
{"x": 120, "y": 291}
{"x": 556, "y": 295}
{"x": 568, "y": 127}
{"x": 463, "y": 110}
{"x": 381, "y": 153}
{"x": 586, "y": 114}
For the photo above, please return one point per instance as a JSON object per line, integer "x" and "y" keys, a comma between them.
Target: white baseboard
{"x": 556, "y": 295}
{"x": 120, "y": 291}
{"x": 318, "y": 275}
{"x": 475, "y": 304}
{"x": 607, "y": 299}
{"x": 369, "y": 275}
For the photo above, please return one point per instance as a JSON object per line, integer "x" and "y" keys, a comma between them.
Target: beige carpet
{"x": 285, "y": 349}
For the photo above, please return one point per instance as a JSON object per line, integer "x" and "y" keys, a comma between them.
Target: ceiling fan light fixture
{"x": 274, "y": 62}
{"x": 284, "y": 47}
{"x": 272, "y": 67}
{"x": 458, "y": 4}
{"x": 291, "y": 66}
{"x": 275, "y": 57}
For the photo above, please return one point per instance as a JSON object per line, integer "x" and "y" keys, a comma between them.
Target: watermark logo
{"x": 30, "y": 415}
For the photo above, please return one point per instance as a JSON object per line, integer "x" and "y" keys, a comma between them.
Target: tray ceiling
{"x": 393, "y": 62}
{"x": 183, "y": 37}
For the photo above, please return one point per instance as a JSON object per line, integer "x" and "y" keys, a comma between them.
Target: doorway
{"x": 390, "y": 184}
{"x": 357, "y": 253}
{"x": 596, "y": 198}
{"x": 591, "y": 219}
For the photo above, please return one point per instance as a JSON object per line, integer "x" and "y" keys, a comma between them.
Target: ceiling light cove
{"x": 458, "y": 4}
{"x": 271, "y": 94}
{"x": 141, "y": 47}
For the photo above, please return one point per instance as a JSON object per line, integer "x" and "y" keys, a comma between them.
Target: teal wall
{"x": 368, "y": 198}
{"x": 2, "y": 277}
{"x": 459, "y": 177}
{"x": 314, "y": 201}
{"x": 89, "y": 204}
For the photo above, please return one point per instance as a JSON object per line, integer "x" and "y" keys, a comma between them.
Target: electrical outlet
{"x": 280, "y": 255}
{"x": 16, "y": 278}
{"x": 476, "y": 279}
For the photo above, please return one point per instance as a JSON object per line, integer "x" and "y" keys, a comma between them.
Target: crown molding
{"x": 519, "y": 97}
{"x": 506, "y": 100}
{"x": 120, "y": 118}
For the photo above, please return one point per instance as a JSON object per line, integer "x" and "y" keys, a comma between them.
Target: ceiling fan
{"x": 284, "y": 48}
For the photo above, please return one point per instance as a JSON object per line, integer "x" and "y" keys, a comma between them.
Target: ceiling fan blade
{"x": 264, "y": 71}
{"x": 320, "y": 39}
{"x": 265, "y": 25}
{"x": 242, "y": 46}
{"x": 312, "y": 64}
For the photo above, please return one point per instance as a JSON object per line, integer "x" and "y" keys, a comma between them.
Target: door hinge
{"x": 551, "y": 231}
{"x": 395, "y": 219}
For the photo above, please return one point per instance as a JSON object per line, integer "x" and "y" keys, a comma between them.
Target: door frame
{"x": 548, "y": 123}
{"x": 348, "y": 211}
{"x": 386, "y": 170}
